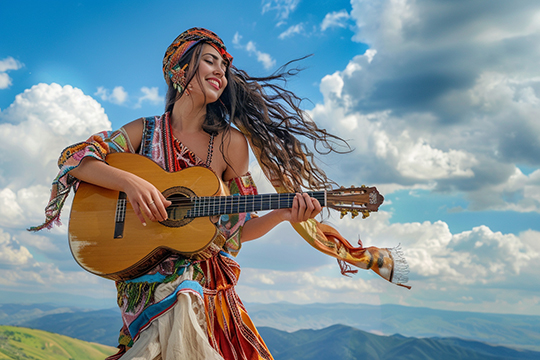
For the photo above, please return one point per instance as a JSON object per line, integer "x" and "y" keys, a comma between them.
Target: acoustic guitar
{"x": 107, "y": 239}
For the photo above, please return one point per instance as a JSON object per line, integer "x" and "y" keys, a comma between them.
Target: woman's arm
{"x": 143, "y": 196}
{"x": 304, "y": 207}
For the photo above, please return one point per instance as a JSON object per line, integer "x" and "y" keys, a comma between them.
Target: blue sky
{"x": 440, "y": 100}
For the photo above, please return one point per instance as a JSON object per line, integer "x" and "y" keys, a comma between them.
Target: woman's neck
{"x": 186, "y": 116}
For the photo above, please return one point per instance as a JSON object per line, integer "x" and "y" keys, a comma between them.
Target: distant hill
{"x": 346, "y": 343}
{"x": 100, "y": 326}
{"x": 20, "y": 343}
{"x": 508, "y": 330}
{"x": 15, "y": 314}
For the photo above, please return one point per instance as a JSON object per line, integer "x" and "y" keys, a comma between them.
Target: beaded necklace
{"x": 183, "y": 155}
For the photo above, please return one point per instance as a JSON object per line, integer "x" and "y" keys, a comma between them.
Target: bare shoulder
{"x": 134, "y": 131}
{"x": 236, "y": 151}
{"x": 238, "y": 141}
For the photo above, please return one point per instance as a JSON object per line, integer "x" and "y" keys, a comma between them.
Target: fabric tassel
{"x": 401, "y": 267}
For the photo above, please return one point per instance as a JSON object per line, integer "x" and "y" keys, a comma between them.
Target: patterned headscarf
{"x": 176, "y": 75}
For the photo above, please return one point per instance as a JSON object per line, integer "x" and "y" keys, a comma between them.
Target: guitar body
{"x": 93, "y": 224}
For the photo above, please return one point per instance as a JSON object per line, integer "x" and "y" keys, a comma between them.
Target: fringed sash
{"x": 390, "y": 264}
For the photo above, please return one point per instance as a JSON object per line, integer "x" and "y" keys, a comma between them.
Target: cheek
{"x": 225, "y": 82}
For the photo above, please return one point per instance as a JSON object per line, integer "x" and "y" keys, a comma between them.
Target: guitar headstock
{"x": 354, "y": 200}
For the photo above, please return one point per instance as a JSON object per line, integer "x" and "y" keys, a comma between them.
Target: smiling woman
{"x": 184, "y": 306}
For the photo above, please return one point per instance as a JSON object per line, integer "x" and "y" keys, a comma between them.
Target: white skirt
{"x": 178, "y": 334}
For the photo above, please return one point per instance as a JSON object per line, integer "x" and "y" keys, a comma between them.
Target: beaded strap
{"x": 210, "y": 151}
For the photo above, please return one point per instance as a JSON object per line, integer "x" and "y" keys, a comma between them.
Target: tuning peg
{"x": 342, "y": 187}
{"x": 365, "y": 214}
{"x": 343, "y": 213}
{"x": 354, "y": 213}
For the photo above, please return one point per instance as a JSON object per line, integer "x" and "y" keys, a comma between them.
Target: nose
{"x": 219, "y": 71}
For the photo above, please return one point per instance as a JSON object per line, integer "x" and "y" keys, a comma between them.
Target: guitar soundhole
{"x": 180, "y": 197}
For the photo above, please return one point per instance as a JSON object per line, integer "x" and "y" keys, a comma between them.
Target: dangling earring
{"x": 187, "y": 90}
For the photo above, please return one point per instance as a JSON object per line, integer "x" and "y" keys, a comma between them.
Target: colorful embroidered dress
{"x": 182, "y": 308}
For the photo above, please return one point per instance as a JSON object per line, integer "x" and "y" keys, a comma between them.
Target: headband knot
{"x": 172, "y": 71}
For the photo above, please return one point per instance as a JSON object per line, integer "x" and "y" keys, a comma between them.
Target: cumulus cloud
{"x": 265, "y": 59}
{"x": 468, "y": 267}
{"x": 11, "y": 252}
{"x": 335, "y": 19}
{"x": 6, "y": 65}
{"x": 476, "y": 256}
{"x": 33, "y": 131}
{"x": 304, "y": 286}
{"x": 438, "y": 102}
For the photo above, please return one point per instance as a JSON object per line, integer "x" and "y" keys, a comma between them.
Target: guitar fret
{"x": 233, "y": 204}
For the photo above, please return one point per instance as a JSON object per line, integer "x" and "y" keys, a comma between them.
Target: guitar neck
{"x": 223, "y": 205}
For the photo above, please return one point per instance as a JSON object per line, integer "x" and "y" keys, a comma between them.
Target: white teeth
{"x": 214, "y": 82}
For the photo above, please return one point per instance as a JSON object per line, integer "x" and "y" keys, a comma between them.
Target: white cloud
{"x": 118, "y": 95}
{"x": 439, "y": 258}
{"x": 11, "y": 253}
{"x": 292, "y": 30}
{"x": 428, "y": 106}
{"x": 473, "y": 264}
{"x": 48, "y": 278}
{"x": 265, "y": 59}
{"x": 283, "y": 7}
{"x": 6, "y": 65}
{"x": 324, "y": 286}
{"x": 34, "y": 129}
{"x": 418, "y": 160}
{"x": 335, "y": 19}
{"x": 10, "y": 211}
{"x": 384, "y": 22}
{"x": 151, "y": 95}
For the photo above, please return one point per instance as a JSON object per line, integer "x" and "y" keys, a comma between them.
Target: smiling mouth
{"x": 215, "y": 83}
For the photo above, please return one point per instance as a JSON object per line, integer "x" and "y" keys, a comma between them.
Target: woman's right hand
{"x": 145, "y": 198}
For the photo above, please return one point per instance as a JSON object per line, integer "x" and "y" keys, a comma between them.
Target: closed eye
{"x": 210, "y": 58}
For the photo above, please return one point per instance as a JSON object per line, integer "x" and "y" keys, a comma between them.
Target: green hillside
{"x": 22, "y": 343}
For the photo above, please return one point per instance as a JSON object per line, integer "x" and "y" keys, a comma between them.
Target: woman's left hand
{"x": 303, "y": 208}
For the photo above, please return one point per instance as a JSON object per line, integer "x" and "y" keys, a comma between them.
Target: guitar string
{"x": 236, "y": 200}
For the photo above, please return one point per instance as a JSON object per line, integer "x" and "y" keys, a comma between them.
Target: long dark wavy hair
{"x": 270, "y": 117}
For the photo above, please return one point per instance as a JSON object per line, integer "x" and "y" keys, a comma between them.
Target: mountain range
{"x": 313, "y": 331}
{"x": 346, "y": 343}
{"x": 500, "y": 329}
{"x": 335, "y": 342}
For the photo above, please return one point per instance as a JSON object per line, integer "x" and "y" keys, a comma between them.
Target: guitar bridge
{"x": 120, "y": 216}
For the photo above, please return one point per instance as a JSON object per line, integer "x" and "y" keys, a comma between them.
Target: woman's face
{"x": 211, "y": 80}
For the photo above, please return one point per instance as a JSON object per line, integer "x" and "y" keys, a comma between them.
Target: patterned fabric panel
{"x": 97, "y": 146}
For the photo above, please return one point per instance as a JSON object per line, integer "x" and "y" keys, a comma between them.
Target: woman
{"x": 187, "y": 308}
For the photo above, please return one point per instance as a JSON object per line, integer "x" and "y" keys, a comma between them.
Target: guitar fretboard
{"x": 222, "y": 205}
